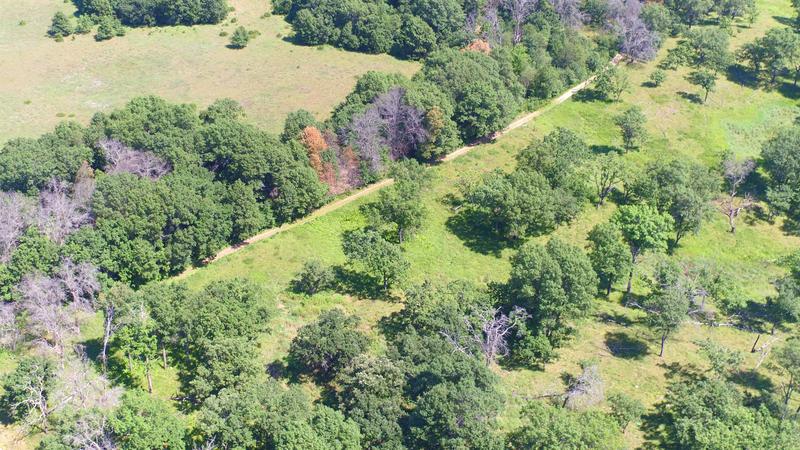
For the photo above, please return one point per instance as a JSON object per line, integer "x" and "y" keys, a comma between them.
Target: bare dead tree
{"x": 36, "y": 400}
{"x": 81, "y": 388}
{"x": 364, "y": 133}
{"x": 42, "y": 298}
{"x": 488, "y": 329}
{"x": 586, "y": 390}
{"x": 123, "y": 159}
{"x": 569, "y": 11}
{"x": 10, "y": 333}
{"x": 17, "y": 213}
{"x": 519, "y": 10}
{"x": 80, "y": 281}
{"x": 735, "y": 173}
{"x": 637, "y": 41}
{"x": 403, "y": 127}
{"x": 59, "y": 214}
{"x": 90, "y": 432}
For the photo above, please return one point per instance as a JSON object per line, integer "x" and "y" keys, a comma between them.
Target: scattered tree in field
{"x": 137, "y": 341}
{"x": 27, "y": 391}
{"x": 667, "y": 309}
{"x": 657, "y": 78}
{"x": 735, "y": 174}
{"x": 632, "y": 124}
{"x": 611, "y": 83}
{"x": 608, "y": 172}
{"x": 707, "y": 49}
{"x": 554, "y": 284}
{"x": 724, "y": 361}
{"x": 378, "y": 256}
{"x": 705, "y": 80}
{"x": 61, "y": 26}
{"x": 314, "y": 277}
{"x": 326, "y": 346}
{"x": 240, "y": 38}
{"x": 781, "y": 161}
{"x": 787, "y": 358}
{"x": 775, "y": 52}
{"x": 644, "y": 229}
{"x": 548, "y": 427}
{"x": 399, "y": 207}
{"x": 682, "y": 189}
{"x": 609, "y": 253}
{"x": 625, "y": 410}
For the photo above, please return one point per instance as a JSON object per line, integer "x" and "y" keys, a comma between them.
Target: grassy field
{"x": 46, "y": 81}
{"x": 736, "y": 118}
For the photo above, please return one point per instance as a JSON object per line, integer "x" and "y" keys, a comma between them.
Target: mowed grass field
{"x": 44, "y": 82}
{"x": 736, "y": 118}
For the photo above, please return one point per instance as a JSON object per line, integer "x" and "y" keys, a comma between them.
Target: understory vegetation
{"x": 621, "y": 272}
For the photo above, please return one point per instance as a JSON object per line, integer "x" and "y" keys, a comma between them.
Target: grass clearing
{"x": 45, "y": 81}
{"x": 736, "y": 118}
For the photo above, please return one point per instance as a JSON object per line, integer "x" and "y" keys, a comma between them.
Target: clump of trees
{"x": 138, "y": 13}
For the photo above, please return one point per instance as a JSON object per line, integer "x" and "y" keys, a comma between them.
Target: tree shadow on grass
{"x": 590, "y": 95}
{"x": 359, "y": 284}
{"x": 615, "y": 318}
{"x": 742, "y": 76}
{"x": 752, "y": 379}
{"x": 789, "y": 90}
{"x": 623, "y": 345}
{"x": 117, "y": 370}
{"x": 470, "y": 226}
{"x": 605, "y": 149}
{"x": 692, "y": 97}
{"x": 786, "y": 21}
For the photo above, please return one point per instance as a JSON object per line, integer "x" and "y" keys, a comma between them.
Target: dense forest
{"x": 97, "y": 218}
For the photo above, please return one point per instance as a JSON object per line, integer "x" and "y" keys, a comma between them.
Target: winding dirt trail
{"x": 330, "y": 207}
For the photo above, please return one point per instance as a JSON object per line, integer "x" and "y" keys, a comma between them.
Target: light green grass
{"x": 736, "y": 118}
{"x": 42, "y": 79}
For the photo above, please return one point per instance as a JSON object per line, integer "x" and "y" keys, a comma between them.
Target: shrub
{"x": 61, "y": 26}
{"x": 108, "y": 28}
{"x": 85, "y": 25}
{"x": 240, "y": 38}
{"x": 657, "y": 78}
{"x": 314, "y": 277}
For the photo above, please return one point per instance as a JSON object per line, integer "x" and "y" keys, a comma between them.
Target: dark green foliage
{"x": 61, "y": 26}
{"x": 108, "y": 27}
{"x": 781, "y": 161}
{"x": 657, "y": 78}
{"x": 667, "y": 309}
{"x": 609, "y": 254}
{"x": 139, "y": 13}
{"x": 557, "y": 156}
{"x": 264, "y": 414}
{"x": 314, "y": 277}
{"x": 295, "y": 122}
{"x": 26, "y": 165}
{"x": 611, "y": 83}
{"x": 704, "y": 79}
{"x": 714, "y": 414}
{"x": 547, "y": 427}
{"x": 484, "y": 93}
{"x": 143, "y": 422}
{"x": 416, "y": 38}
{"x": 370, "y": 392}
{"x": 326, "y": 346}
{"x": 217, "y": 329}
{"x": 28, "y": 388}
{"x": 682, "y": 189}
{"x": 625, "y": 410}
{"x": 632, "y": 125}
{"x": 555, "y": 284}
{"x": 399, "y": 207}
{"x": 456, "y": 415}
{"x": 379, "y": 257}
{"x": 248, "y": 217}
{"x": 240, "y": 38}
{"x": 644, "y": 229}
